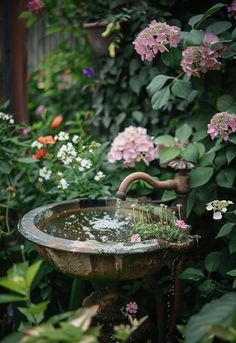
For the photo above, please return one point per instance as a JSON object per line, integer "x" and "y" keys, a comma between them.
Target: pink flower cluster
{"x": 199, "y": 59}
{"x": 132, "y": 145}
{"x": 131, "y": 307}
{"x": 36, "y": 6}
{"x": 181, "y": 224}
{"x": 135, "y": 238}
{"x": 154, "y": 38}
{"x": 222, "y": 123}
{"x": 232, "y": 9}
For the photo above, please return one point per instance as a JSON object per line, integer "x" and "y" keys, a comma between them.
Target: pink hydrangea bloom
{"x": 198, "y": 60}
{"x": 222, "y": 123}
{"x": 132, "y": 145}
{"x": 135, "y": 238}
{"x": 155, "y": 38}
{"x": 36, "y": 6}
{"x": 181, "y": 224}
{"x": 131, "y": 307}
{"x": 232, "y": 9}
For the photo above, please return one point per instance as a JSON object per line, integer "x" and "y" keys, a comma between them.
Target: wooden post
{"x": 18, "y": 61}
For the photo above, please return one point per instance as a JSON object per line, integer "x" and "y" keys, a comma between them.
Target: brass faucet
{"x": 180, "y": 183}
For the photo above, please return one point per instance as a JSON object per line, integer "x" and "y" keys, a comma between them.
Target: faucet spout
{"x": 168, "y": 184}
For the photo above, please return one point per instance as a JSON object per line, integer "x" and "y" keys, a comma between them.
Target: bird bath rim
{"x": 27, "y": 227}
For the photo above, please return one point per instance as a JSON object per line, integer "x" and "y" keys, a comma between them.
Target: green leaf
{"x": 225, "y": 230}
{"x": 9, "y": 298}
{"x": 230, "y": 153}
{"x": 17, "y": 284}
{"x": 164, "y": 139}
{"x": 230, "y": 51}
{"x": 160, "y": 98}
{"x": 194, "y": 20}
{"x": 212, "y": 261}
{"x": 193, "y": 37}
{"x": 232, "y": 139}
{"x": 232, "y": 272}
{"x": 200, "y": 176}
{"x": 168, "y": 153}
{"x": 168, "y": 195}
{"x": 225, "y": 178}
{"x": 171, "y": 58}
{"x": 34, "y": 313}
{"x": 191, "y": 153}
{"x": 181, "y": 89}
{"x": 224, "y": 102}
{"x": 232, "y": 245}
{"x": 207, "y": 287}
{"x": 184, "y": 132}
{"x": 137, "y": 115}
{"x": 157, "y": 83}
{"x": 219, "y": 27}
{"x": 32, "y": 272}
{"x": 26, "y": 160}
{"x": 13, "y": 338}
{"x": 192, "y": 274}
{"x": 211, "y": 11}
{"x": 135, "y": 84}
{"x": 216, "y": 312}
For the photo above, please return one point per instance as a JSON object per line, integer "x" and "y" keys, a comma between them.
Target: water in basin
{"x": 100, "y": 224}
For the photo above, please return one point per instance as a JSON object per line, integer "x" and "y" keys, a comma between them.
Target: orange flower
{"x": 56, "y": 121}
{"x": 39, "y": 154}
{"x": 46, "y": 140}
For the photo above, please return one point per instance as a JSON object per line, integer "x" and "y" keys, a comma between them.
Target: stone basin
{"x": 91, "y": 258}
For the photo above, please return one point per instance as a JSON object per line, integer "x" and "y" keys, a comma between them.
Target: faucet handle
{"x": 179, "y": 164}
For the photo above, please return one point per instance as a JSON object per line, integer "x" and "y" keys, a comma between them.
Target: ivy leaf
{"x": 200, "y": 176}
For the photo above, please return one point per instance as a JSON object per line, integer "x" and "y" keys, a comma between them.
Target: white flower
{"x": 44, "y": 173}
{"x": 100, "y": 175}
{"x": 11, "y": 121}
{"x": 209, "y": 207}
{"x": 7, "y": 117}
{"x": 217, "y": 215}
{"x": 62, "y": 136}
{"x": 75, "y": 139}
{"x": 63, "y": 184}
{"x": 36, "y": 144}
{"x": 67, "y": 153}
{"x": 87, "y": 164}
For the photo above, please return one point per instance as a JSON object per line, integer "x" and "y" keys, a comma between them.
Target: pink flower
{"x": 181, "y": 224}
{"x": 198, "y": 60}
{"x": 155, "y": 38}
{"x": 132, "y": 145}
{"x": 222, "y": 123}
{"x": 135, "y": 238}
{"x": 36, "y": 6}
{"x": 131, "y": 307}
{"x": 39, "y": 110}
{"x": 232, "y": 9}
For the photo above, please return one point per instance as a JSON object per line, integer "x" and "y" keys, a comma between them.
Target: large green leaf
{"x": 172, "y": 58}
{"x": 184, "y": 132}
{"x": 225, "y": 102}
{"x": 164, "y": 139}
{"x": 157, "y": 83}
{"x": 191, "y": 153}
{"x": 219, "y": 27}
{"x": 200, "y": 176}
{"x": 212, "y": 261}
{"x": 160, "y": 98}
{"x": 181, "y": 88}
{"x": 218, "y": 311}
{"x": 225, "y": 230}
{"x": 9, "y": 298}
{"x": 168, "y": 153}
{"x": 225, "y": 178}
{"x": 192, "y": 274}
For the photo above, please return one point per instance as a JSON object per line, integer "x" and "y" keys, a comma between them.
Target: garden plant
{"x": 163, "y": 96}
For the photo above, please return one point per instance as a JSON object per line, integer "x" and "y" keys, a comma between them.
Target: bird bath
{"x": 98, "y": 252}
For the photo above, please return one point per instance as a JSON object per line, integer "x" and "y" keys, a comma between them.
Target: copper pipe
{"x": 168, "y": 184}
